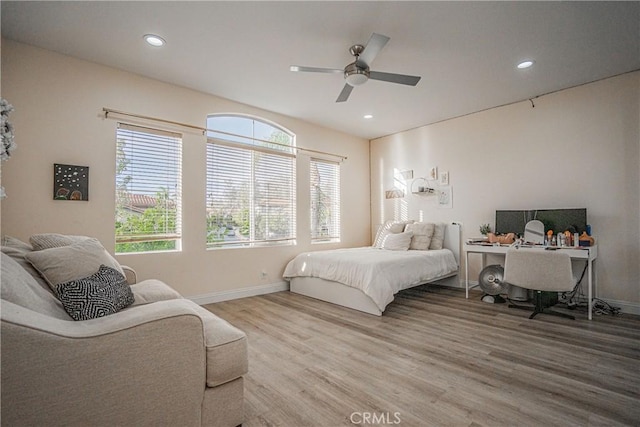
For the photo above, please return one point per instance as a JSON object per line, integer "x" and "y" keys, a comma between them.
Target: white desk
{"x": 586, "y": 253}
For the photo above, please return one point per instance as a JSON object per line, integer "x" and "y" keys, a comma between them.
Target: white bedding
{"x": 378, "y": 273}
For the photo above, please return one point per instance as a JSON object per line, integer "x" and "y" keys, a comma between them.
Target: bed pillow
{"x": 437, "y": 240}
{"x": 100, "y": 294}
{"x": 54, "y": 240}
{"x": 422, "y": 234}
{"x": 59, "y": 265}
{"x": 397, "y": 241}
{"x": 389, "y": 227}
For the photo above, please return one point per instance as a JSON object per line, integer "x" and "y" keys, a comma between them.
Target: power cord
{"x": 604, "y": 308}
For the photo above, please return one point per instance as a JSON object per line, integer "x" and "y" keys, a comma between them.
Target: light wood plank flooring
{"x": 434, "y": 359}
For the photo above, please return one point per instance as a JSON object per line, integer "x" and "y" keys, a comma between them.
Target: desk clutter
{"x": 548, "y": 227}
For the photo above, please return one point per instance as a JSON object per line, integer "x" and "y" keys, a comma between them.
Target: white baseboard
{"x": 625, "y": 307}
{"x": 240, "y": 293}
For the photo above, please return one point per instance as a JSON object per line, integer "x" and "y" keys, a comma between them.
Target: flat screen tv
{"x": 558, "y": 220}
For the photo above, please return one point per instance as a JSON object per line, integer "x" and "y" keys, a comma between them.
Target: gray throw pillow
{"x": 59, "y": 265}
{"x": 101, "y": 294}
{"x": 54, "y": 240}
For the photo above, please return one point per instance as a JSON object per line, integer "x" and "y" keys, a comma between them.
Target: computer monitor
{"x": 558, "y": 220}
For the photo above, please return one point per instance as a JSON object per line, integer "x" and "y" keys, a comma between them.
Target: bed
{"x": 367, "y": 278}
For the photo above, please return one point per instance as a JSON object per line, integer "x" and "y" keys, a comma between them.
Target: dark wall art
{"x": 70, "y": 182}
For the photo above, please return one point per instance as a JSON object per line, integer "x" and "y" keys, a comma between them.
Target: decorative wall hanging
{"x": 70, "y": 182}
{"x": 444, "y": 178}
{"x": 6, "y": 131}
{"x": 433, "y": 173}
{"x": 393, "y": 194}
{"x": 445, "y": 197}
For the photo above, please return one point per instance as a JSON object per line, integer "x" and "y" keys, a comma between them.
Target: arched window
{"x": 251, "y": 182}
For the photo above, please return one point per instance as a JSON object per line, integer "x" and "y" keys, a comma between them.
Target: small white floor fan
{"x": 491, "y": 281}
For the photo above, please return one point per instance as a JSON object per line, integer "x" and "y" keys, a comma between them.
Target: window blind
{"x": 250, "y": 195}
{"x": 325, "y": 201}
{"x": 148, "y": 189}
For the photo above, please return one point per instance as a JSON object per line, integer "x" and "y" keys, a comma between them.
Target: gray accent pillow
{"x": 101, "y": 294}
{"x": 54, "y": 240}
{"x": 59, "y": 265}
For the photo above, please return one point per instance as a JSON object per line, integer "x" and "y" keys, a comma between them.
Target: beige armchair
{"x": 162, "y": 361}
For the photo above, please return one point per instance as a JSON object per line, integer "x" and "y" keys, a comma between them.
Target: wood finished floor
{"x": 434, "y": 359}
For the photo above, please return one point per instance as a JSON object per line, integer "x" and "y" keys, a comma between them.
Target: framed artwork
{"x": 70, "y": 182}
{"x": 445, "y": 197}
{"x": 444, "y": 178}
{"x": 433, "y": 173}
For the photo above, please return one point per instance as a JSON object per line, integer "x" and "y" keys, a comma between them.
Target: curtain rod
{"x": 204, "y": 131}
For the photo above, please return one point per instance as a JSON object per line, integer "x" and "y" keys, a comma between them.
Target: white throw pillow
{"x": 389, "y": 227}
{"x": 422, "y": 234}
{"x": 397, "y": 241}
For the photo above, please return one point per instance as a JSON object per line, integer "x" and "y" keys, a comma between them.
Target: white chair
{"x": 541, "y": 271}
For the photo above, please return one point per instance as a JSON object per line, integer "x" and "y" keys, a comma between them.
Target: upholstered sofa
{"x": 162, "y": 360}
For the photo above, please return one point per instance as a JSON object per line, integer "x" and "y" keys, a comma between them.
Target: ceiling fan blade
{"x": 402, "y": 79}
{"x": 315, "y": 69}
{"x": 346, "y": 91}
{"x": 374, "y": 46}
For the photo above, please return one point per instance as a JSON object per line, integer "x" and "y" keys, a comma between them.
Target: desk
{"x": 588, "y": 254}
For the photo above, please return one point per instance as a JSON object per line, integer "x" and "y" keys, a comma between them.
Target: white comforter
{"x": 378, "y": 273}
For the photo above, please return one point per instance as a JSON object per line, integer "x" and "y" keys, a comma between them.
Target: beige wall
{"x": 58, "y": 102}
{"x": 577, "y": 148}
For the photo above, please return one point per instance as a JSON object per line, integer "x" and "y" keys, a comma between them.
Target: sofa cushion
{"x": 227, "y": 354}
{"x": 152, "y": 290}
{"x": 101, "y": 294}
{"x": 54, "y": 240}
{"x": 62, "y": 264}
{"x": 19, "y": 287}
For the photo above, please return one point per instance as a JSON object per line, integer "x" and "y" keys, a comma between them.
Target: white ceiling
{"x": 466, "y": 52}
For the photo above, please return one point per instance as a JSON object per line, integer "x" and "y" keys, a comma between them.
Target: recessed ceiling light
{"x": 368, "y": 116}
{"x": 154, "y": 40}
{"x": 525, "y": 64}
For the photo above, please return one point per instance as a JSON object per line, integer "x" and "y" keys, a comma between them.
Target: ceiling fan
{"x": 358, "y": 72}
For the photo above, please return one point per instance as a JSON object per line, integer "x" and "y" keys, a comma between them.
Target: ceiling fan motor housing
{"x": 356, "y": 75}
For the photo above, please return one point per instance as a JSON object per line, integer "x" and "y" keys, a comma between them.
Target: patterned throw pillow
{"x": 101, "y": 294}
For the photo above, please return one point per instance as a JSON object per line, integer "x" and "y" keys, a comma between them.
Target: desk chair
{"x": 542, "y": 271}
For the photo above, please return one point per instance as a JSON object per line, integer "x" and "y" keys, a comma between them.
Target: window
{"x": 148, "y": 189}
{"x": 251, "y": 186}
{"x": 325, "y": 201}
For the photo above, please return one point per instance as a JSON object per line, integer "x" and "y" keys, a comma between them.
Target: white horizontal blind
{"x": 148, "y": 189}
{"x": 250, "y": 196}
{"x": 325, "y": 201}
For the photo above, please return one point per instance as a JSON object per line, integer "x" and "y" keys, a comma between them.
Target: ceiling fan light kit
{"x": 358, "y": 72}
{"x": 356, "y": 76}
